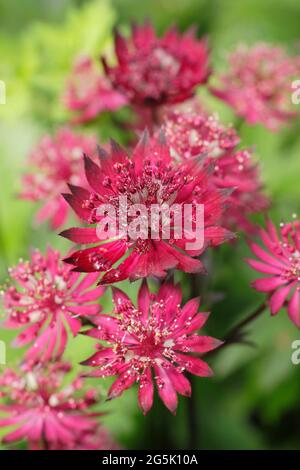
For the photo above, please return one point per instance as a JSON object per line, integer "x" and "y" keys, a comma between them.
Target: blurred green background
{"x": 254, "y": 400}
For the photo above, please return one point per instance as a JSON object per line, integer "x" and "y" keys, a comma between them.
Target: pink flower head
{"x": 280, "y": 260}
{"x": 44, "y": 411}
{"x": 258, "y": 84}
{"x": 194, "y": 134}
{"x": 158, "y": 337}
{"x": 46, "y": 300}
{"x": 191, "y": 133}
{"x": 152, "y": 71}
{"x": 55, "y": 162}
{"x": 145, "y": 179}
{"x": 89, "y": 93}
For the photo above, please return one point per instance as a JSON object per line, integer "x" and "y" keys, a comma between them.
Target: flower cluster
{"x": 258, "y": 84}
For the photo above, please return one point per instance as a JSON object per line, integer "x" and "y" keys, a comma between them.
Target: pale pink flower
{"x": 46, "y": 300}
{"x": 257, "y": 84}
{"x": 279, "y": 259}
{"x": 193, "y": 134}
{"x": 55, "y": 162}
{"x": 41, "y": 409}
{"x": 89, "y": 93}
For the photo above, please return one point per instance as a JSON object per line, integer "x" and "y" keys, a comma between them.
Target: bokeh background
{"x": 254, "y": 400}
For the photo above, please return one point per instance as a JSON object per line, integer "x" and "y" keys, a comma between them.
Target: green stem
{"x": 235, "y": 333}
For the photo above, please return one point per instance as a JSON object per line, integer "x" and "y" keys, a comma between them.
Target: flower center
{"x": 41, "y": 294}
{"x": 144, "y": 343}
{"x": 151, "y": 345}
{"x": 143, "y": 198}
{"x": 151, "y": 74}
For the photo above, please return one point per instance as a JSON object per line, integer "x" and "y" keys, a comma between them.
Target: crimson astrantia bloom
{"x": 147, "y": 177}
{"x": 89, "y": 93}
{"x": 157, "y": 337}
{"x": 192, "y": 133}
{"x": 152, "y": 71}
{"x": 44, "y": 411}
{"x": 46, "y": 300}
{"x": 56, "y": 161}
{"x": 280, "y": 260}
{"x": 258, "y": 84}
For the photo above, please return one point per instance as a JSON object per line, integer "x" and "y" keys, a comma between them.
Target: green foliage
{"x": 38, "y": 62}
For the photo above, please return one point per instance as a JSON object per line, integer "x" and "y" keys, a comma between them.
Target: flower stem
{"x": 192, "y": 418}
{"x": 237, "y": 334}
{"x": 238, "y": 329}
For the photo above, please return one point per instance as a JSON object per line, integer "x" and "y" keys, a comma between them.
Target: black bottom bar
{"x": 136, "y": 459}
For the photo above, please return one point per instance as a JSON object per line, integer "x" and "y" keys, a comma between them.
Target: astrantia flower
{"x": 41, "y": 409}
{"x": 148, "y": 177}
{"x": 46, "y": 300}
{"x": 194, "y": 134}
{"x": 89, "y": 93}
{"x": 280, "y": 260}
{"x": 153, "y": 343}
{"x": 258, "y": 84}
{"x": 191, "y": 132}
{"x": 152, "y": 71}
{"x": 56, "y": 161}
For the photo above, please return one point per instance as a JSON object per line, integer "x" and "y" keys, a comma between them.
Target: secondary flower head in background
{"x": 149, "y": 176}
{"x": 153, "y": 71}
{"x": 193, "y": 134}
{"x": 154, "y": 342}
{"x": 40, "y": 408}
{"x": 89, "y": 93}
{"x": 258, "y": 84}
{"x": 56, "y": 161}
{"x": 280, "y": 260}
{"x": 46, "y": 300}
